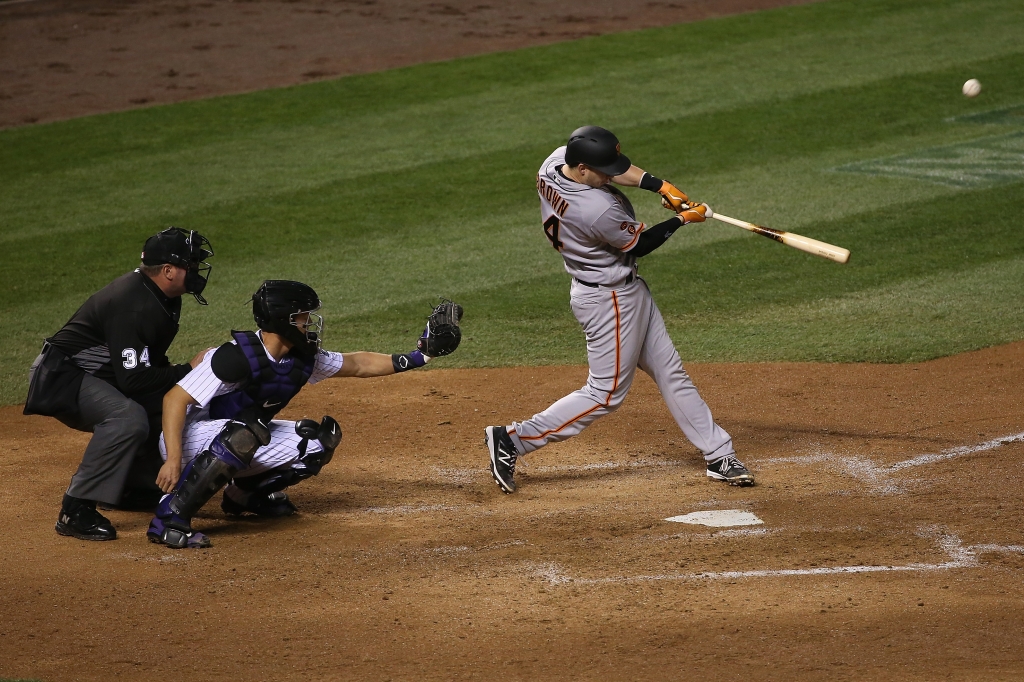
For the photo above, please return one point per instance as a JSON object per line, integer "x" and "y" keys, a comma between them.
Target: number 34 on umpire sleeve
{"x": 551, "y": 226}
{"x": 131, "y": 360}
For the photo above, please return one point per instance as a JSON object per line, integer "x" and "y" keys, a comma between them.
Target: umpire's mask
{"x": 186, "y": 249}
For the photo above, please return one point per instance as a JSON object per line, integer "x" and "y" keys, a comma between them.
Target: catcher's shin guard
{"x": 231, "y": 450}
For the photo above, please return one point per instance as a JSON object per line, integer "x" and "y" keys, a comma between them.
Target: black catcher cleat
{"x": 503, "y": 457}
{"x": 730, "y": 470}
{"x": 272, "y": 505}
{"x": 85, "y": 523}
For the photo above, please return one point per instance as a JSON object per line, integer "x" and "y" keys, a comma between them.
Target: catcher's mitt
{"x": 442, "y": 335}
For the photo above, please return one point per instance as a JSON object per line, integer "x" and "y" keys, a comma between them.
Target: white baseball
{"x": 972, "y": 88}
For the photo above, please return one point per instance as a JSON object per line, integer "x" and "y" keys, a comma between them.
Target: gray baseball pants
{"x": 119, "y": 426}
{"x": 624, "y": 330}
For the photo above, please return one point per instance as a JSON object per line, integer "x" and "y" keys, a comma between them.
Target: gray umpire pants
{"x": 119, "y": 426}
{"x": 624, "y": 330}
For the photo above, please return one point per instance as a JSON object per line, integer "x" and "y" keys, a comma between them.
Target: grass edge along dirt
{"x": 380, "y": 244}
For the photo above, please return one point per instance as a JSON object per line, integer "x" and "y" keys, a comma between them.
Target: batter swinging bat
{"x": 836, "y": 253}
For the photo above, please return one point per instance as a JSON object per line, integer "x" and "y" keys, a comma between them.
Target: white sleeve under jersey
{"x": 328, "y": 363}
{"x": 203, "y": 385}
{"x": 592, "y": 228}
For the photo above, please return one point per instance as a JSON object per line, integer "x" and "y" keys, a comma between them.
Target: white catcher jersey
{"x": 593, "y": 228}
{"x": 199, "y": 431}
{"x": 203, "y": 385}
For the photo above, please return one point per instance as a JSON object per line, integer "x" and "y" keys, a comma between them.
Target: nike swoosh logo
{"x": 270, "y": 404}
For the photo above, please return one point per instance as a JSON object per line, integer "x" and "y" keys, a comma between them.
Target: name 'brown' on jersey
{"x": 592, "y": 228}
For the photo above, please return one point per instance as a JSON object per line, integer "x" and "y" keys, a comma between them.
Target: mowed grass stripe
{"x": 764, "y": 162}
{"x": 910, "y": 321}
{"x": 753, "y": 299}
{"x": 385, "y": 190}
{"x": 332, "y": 134}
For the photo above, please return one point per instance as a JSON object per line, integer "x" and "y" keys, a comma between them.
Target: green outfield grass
{"x": 386, "y": 190}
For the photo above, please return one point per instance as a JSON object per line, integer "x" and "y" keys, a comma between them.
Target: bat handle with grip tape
{"x": 796, "y": 241}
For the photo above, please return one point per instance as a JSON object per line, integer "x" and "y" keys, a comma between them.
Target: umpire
{"x": 106, "y": 372}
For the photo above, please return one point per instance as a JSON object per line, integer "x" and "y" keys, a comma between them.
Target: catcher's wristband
{"x": 407, "y": 361}
{"x": 650, "y": 183}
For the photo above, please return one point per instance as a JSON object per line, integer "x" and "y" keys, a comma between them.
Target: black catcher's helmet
{"x": 597, "y": 148}
{"x": 186, "y": 249}
{"x": 277, "y": 303}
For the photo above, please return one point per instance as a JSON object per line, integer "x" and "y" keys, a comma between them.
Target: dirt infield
{"x": 892, "y": 542}
{"x": 66, "y": 58}
{"x": 406, "y": 562}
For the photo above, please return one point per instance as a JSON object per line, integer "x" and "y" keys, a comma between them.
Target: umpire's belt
{"x": 629, "y": 280}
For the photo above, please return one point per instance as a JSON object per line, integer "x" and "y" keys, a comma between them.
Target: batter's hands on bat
{"x": 673, "y": 198}
{"x": 168, "y": 476}
{"x": 693, "y": 213}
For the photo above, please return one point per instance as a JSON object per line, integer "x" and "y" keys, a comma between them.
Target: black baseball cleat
{"x": 730, "y": 470}
{"x": 85, "y": 523}
{"x": 272, "y": 505}
{"x": 503, "y": 457}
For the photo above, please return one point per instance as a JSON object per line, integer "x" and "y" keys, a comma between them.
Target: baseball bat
{"x": 830, "y": 251}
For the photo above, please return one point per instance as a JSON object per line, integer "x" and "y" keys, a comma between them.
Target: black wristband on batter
{"x": 656, "y": 236}
{"x": 650, "y": 183}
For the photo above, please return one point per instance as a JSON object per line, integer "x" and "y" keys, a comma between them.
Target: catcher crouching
{"x": 219, "y": 429}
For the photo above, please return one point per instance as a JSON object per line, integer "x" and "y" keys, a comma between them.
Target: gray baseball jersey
{"x": 592, "y": 228}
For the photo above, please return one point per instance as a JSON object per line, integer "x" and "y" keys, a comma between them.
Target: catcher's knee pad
{"x": 232, "y": 450}
{"x": 328, "y": 432}
{"x": 237, "y": 443}
{"x": 329, "y": 435}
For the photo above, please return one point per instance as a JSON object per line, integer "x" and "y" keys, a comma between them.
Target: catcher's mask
{"x": 597, "y": 148}
{"x": 185, "y": 249}
{"x": 278, "y": 306}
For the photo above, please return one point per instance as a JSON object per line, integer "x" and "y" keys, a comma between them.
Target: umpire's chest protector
{"x": 269, "y": 385}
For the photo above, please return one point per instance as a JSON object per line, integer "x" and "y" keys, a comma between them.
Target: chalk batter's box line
{"x": 960, "y": 558}
{"x": 919, "y": 460}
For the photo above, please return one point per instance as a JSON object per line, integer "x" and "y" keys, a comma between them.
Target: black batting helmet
{"x": 186, "y": 249}
{"x": 596, "y": 148}
{"x": 277, "y": 304}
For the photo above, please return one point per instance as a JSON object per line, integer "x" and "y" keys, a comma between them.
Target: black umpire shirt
{"x": 121, "y": 335}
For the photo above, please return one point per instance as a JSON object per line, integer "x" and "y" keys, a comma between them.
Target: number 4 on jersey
{"x": 551, "y": 226}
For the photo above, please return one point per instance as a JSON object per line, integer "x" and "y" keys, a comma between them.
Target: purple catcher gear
{"x": 167, "y": 528}
{"x": 268, "y": 386}
{"x": 263, "y": 494}
{"x": 231, "y": 450}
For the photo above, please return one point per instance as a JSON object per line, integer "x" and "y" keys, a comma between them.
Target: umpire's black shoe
{"x": 730, "y": 470}
{"x": 85, "y": 523}
{"x": 503, "y": 457}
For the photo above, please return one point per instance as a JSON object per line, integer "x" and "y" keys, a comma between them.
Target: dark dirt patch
{"x": 65, "y": 58}
{"x": 406, "y": 561}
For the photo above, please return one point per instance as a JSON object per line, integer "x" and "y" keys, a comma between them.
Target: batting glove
{"x": 672, "y": 198}
{"x": 693, "y": 213}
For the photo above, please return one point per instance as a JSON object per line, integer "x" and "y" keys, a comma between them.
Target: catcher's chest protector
{"x": 270, "y": 386}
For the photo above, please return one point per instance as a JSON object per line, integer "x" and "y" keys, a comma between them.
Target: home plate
{"x": 718, "y": 518}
